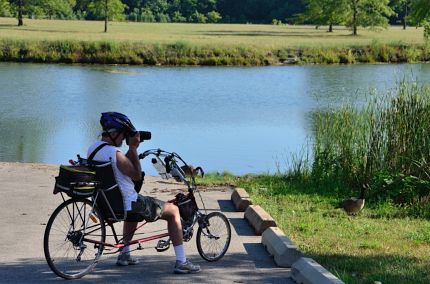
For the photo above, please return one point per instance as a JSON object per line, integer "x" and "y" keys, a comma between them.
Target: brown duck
{"x": 354, "y": 205}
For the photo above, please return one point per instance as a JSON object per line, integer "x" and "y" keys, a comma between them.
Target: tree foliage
{"x": 4, "y": 8}
{"x": 325, "y": 12}
{"x": 98, "y": 9}
{"x": 367, "y": 13}
{"x": 353, "y": 13}
{"x": 62, "y": 9}
{"x": 420, "y": 10}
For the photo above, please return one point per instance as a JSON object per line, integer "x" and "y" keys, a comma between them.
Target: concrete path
{"x": 26, "y": 202}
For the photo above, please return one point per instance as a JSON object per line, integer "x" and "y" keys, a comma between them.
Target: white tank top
{"x": 125, "y": 183}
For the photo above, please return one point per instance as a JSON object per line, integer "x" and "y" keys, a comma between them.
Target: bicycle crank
{"x": 163, "y": 245}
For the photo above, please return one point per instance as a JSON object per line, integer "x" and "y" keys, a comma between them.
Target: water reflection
{"x": 236, "y": 119}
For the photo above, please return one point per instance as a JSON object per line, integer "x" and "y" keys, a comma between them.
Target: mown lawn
{"x": 260, "y": 36}
{"x": 379, "y": 244}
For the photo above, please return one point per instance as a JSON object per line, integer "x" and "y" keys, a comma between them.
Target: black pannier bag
{"x": 187, "y": 206}
{"x": 76, "y": 181}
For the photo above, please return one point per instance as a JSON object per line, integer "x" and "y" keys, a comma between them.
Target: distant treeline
{"x": 211, "y": 11}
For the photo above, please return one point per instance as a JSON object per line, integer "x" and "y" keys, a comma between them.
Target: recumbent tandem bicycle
{"x": 75, "y": 235}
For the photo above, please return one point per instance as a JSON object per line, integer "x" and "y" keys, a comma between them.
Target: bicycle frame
{"x": 180, "y": 176}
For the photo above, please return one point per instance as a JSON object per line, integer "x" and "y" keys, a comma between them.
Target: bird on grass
{"x": 354, "y": 205}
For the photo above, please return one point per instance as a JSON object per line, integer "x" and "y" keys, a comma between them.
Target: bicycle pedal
{"x": 162, "y": 245}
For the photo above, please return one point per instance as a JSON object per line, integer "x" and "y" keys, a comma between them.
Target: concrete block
{"x": 259, "y": 219}
{"x": 241, "y": 199}
{"x": 308, "y": 271}
{"x": 284, "y": 251}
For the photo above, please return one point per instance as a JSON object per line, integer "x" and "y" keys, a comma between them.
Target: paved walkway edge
{"x": 284, "y": 251}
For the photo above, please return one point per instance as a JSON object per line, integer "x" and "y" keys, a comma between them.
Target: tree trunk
{"x": 406, "y": 14}
{"x": 20, "y": 8}
{"x": 330, "y": 28}
{"x": 106, "y": 15}
{"x": 354, "y": 17}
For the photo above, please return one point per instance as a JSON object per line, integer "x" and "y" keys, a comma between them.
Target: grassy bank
{"x": 200, "y": 44}
{"x": 384, "y": 242}
{"x": 373, "y": 246}
{"x": 184, "y": 53}
{"x": 384, "y": 144}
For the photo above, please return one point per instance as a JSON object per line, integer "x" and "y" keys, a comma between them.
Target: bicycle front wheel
{"x": 74, "y": 237}
{"x": 213, "y": 236}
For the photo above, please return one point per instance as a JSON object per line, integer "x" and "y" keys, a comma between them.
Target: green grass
{"x": 375, "y": 245}
{"x": 203, "y": 44}
{"x": 260, "y": 36}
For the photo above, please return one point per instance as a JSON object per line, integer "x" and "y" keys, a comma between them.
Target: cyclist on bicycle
{"x": 116, "y": 127}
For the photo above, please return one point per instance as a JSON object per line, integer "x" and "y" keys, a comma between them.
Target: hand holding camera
{"x": 137, "y": 137}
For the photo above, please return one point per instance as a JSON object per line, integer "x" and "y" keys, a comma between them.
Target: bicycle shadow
{"x": 151, "y": 269}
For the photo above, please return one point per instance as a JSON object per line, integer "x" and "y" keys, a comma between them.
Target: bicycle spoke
{"x": 66, "y": 250}
{"x": 214, "y": 239}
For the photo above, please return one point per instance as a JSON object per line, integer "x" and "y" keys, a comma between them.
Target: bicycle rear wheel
{"x": 73, "y": 238}
{"x": 213, "y": 236}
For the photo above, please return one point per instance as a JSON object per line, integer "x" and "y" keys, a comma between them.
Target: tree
{"x": 325, "y": 12}
{"x": 402, "y": 8}
{"x": 104, "y": 9}
{"x": 22, "y": 7}
{"x": 367, "y": 13}
{"x": 420, "y": 14}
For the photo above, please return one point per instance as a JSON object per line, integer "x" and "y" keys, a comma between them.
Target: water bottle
{"x": 176, "y": 174}
{"x": 160, "y": 167}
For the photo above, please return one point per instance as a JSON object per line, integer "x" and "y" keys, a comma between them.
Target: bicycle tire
{"x": 213, "y": 236}
{"x": 66, "y": 252}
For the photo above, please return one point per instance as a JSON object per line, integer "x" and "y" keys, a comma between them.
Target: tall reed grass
{"x": 388, "y": 140}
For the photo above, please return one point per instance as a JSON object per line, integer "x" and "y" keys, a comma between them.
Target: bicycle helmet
{"x": 116, "y": 121}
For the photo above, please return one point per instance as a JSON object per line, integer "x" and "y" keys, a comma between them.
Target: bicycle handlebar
{"x": 170, "y": 163}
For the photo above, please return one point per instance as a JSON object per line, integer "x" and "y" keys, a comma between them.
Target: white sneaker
{"x": 125, "y": 259}
{"x": 186, "y": 267}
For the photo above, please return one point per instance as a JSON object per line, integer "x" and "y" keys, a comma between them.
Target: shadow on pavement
{"x": 233, "y": 268}
{"x": 226, "y": 206}
{"x": 241, "y": 226}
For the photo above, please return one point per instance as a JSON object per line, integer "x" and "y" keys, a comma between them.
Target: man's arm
{"x": 129, "y": 163}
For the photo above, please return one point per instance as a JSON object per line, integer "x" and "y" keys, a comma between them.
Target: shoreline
{"x": 185, "y": 54}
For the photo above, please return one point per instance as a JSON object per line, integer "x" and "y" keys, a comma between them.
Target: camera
{"x": 144, "y": 135}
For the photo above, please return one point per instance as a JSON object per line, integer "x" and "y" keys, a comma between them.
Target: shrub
{"x": 162, "y": 18}
{"x": 147, "y": 16}
{"x": 347, "y": 57}
{"x": 178, "y": 18}
{"x": 197, "y": 17}
{"x": 276, "y": 22}
{"x": 427, "y": 30}
{"x": 213, "y": 17}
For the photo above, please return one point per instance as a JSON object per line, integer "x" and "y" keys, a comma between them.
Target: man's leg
{"x": 174, "y": 226}
{"x": 128, "y": 231}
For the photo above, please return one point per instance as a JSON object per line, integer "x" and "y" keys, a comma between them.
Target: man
{"x": 116, "y": 127}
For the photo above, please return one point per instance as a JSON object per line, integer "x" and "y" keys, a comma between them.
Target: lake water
{"x": 243, "y": 120}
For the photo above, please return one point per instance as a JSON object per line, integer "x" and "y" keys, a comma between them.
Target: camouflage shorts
{"x": 148, "y": 208}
